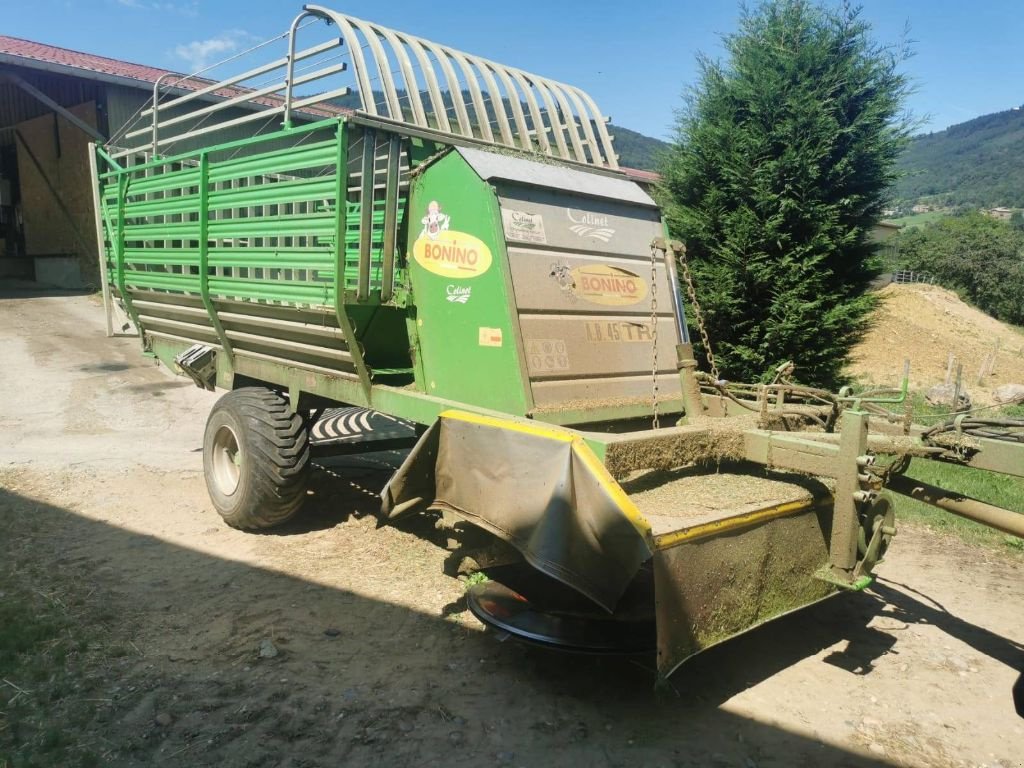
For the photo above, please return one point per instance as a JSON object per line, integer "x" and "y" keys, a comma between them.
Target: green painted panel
{"x": 468, "y": 340}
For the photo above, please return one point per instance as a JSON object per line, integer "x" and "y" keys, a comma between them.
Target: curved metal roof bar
{"x": 553, "y": 121}
{"x": 383, "y": 67}
{"x": 483, "y": 124}
{"x": 412, "y": 88}
{"x": 515, "y": 101}
{"x": 539, "y": 130}
{"x": 568, "y": 117}
{"x": 349, "y": 38}
{"x": 558, "y": 98}
{"x": 591, "y": 140}
{"x": 427, "y": 70}
{"x": 500, "y": 115}
{"x": 454, "y": 89}
{"x": 599, "y": 120}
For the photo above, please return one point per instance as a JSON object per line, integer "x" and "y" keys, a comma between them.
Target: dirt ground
{"x": 378, "y": 663}
{"x": 927, "y": 324}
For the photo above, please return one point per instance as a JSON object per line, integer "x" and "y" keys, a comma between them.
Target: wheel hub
{"x": 226, "y": 460}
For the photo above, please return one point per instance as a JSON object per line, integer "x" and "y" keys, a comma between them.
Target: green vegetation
{"x": 918, "y": 219}
{"x": 636, "y": 150}
{"x": 978, "y": 163}
{"x": 43, "y": 699}
{"x": 779, "y": 169}
{"x": 1001, "y": 490}
{"x": 479, "y": 577}
{"x": 979, "y": 257}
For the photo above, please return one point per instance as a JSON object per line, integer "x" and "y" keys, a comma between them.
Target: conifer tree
{"x": 779, "y": 169}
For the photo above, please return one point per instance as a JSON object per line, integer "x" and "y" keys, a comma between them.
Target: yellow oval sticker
{"x": 452, "y": 254}
{"x": 608, "y": 285}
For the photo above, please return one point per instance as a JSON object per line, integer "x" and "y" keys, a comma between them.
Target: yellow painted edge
{"x": 666, "y": 540}
{"x": 548, "y": 432}
{"x": 584, "y": 451}
{"x": 612, "y": 488}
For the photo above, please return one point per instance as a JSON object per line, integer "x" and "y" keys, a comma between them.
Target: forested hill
{"x": 636, "y": 150}
{"x": 977, "y": 163}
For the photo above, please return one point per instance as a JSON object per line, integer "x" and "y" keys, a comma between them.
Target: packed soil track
{"x": 926, "y": 324}
{"x": 377, "y": 660}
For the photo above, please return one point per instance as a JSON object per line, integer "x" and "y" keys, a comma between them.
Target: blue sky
{"x": 635, "y": 59}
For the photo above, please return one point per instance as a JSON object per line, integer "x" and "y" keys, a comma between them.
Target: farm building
{"x": 53, "y": 102}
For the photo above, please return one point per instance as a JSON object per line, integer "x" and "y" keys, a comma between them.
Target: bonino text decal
{"x": 452, "y": 254}
{"x": 447, "y": 252}
{"x": 611, "y": 286}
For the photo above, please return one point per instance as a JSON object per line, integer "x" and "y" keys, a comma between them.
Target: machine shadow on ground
{"x": 389, "y": 684}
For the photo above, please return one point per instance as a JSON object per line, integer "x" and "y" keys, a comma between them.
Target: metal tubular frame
{"x": 487, "y": 99}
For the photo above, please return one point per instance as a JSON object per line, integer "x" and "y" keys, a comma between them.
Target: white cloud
{"x": 188, "y": 8}
{"x": 199, "y": 54}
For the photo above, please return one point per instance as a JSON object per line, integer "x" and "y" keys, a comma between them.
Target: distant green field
{"x": 918, "y": 219}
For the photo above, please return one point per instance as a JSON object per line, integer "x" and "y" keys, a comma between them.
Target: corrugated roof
{"x": 27, "y": 52}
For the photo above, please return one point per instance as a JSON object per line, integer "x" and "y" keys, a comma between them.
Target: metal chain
{"x": 698, "y": 313}
{"x": 654, "y": 336}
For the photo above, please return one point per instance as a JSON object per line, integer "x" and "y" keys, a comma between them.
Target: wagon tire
{"x": 255, "y": 458}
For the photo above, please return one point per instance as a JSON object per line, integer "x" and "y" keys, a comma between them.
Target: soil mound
{"x": 928, "y": 324}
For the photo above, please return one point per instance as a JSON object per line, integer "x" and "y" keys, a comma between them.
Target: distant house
{"x": 919, "y": 208}
{"x": 1003, "y": 214}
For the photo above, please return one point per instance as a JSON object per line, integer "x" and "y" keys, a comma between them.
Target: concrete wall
{"x": 56, "y": 191}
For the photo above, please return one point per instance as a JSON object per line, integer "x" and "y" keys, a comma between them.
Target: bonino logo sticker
{"x": 607, "y": 285}
{"x": 447, "y": 252}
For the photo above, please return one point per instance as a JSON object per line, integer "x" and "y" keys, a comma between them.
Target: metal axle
{"x": 964, "y": 506}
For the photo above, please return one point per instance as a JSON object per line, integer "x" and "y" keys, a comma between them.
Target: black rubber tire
{"x": 270, "y": 463}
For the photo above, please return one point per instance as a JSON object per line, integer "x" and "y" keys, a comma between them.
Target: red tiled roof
{"x": 649, "y": 177}
{"x": 145, "y": 75}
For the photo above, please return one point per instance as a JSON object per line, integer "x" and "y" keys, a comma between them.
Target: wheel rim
{"x": 226, "y": 460}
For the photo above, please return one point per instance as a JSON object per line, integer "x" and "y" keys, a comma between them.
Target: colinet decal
{"x": 447, "y": 252}
{"x": 608, "y": 285}
{"x": 522, "y": 226}
{"x": 587, "y": 224}
{"x": 458, "y": 294}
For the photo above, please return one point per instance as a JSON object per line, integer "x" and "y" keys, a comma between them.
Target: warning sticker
{"x": 522, "y": 226}
{"x": 490, "y": 337}
{"x": 547, "y": 355}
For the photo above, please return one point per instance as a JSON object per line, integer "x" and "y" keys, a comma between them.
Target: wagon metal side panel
{"x": 720, "y": 580}
{"x": 595, "y": 311}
